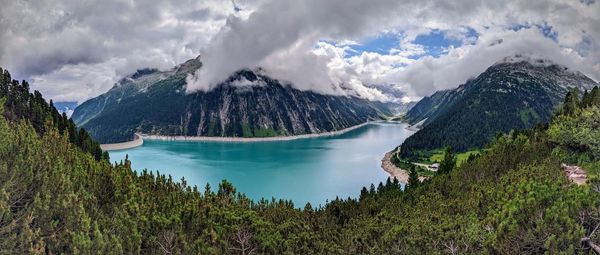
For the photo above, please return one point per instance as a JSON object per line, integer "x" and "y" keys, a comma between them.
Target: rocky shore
{"x": 139, "y": 138}
{"x": 400, "y": 174}
{"x": 137, "y": 141}
{"x": 250, "y": 139}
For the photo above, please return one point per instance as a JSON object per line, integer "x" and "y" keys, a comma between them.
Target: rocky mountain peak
{"x": 190, "y": 66}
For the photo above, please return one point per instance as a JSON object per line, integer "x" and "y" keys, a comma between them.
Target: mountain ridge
{"x": 58, "y": 199}
{"x": 508, "y": 95}
{"x": 247, "y": 104}
{"x": 428, "y": 107}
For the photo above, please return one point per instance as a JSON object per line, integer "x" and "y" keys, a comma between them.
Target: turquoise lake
{"x": 306, "y": 170}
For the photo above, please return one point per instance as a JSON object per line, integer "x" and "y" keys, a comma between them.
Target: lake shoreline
{"x": 250, "y": 139}
{"x": 263, "y": 169}
{"x": 395, "y": 172}
{"x": 139, "y": 139}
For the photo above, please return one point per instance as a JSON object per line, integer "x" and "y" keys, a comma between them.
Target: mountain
{"x": 428, "y": 108}
{"x": 515, "y": 93}
{"x": 247, "y": 104}
{"x": 514, "y": 198}
{"x": 66, "y": 107}
{"x": 397, "y": 105}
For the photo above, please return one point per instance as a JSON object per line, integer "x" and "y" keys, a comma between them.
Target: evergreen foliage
{"x": 20, "y": 104}
{"x": 448, "y": 163}
{"x": 413, "y": 178}
{"x": 571, "y": 104}
{"x": 506, "y": 96}
{"x": 514, "y": 198}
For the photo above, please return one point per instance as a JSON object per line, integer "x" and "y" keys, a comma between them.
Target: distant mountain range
{"x": 397, "y": 104}
{"x": 66, "y": 107}
{"x": 248, "y": 104}
{"x": 515, "y": 93}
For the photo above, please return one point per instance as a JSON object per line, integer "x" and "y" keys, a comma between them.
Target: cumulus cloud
{"x": 85, "y": 46}
{"x": 280, "y": 36}
{"x": 77, "y": 49}
{"x": 281, "y": 28}
{"x": 429, "y": 74}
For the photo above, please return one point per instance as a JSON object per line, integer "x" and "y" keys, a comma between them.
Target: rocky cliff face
{"x": 248, "y": 104}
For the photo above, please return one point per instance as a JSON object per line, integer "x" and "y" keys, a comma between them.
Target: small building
{"x": 434, "y": 166}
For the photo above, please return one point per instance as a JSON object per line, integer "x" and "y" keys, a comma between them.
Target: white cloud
{"x": 69, "y": 47}
{"x": 280, "y": 36}
{"x": 243, "y": 82}
{"x": 428, "y": 74}
{"x": 74, "y": 49}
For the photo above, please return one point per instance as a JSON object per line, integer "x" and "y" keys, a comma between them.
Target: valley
{"x": 490, "y": 202}
{"x": 248, "y": 127}
{"x": 296, "y": 196}
{"x": 309, "y": 170}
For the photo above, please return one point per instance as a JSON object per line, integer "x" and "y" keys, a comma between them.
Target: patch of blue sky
{"x": 545, "y": 28}
{"x": 236, "y": 7}
{"x": 471, "y": 36}
{"x": 435, "y": 43}
{"x": 381, "y": 44}
{"x": 65, "y": 106}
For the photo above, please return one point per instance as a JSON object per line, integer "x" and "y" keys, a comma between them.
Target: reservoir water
{"x": 305, "y": 170}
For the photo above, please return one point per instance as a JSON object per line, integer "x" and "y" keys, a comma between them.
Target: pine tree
{"x": 308, "y": 207}
{"x": 571, "y": 103}
{"x": 595, "y": 96}
{"x": 363, "y": 193}
{"x": 372, "y": 190}
{"x": 413, "y": 178}
{"x": 586, "y": 99}
{"x": 448, "y": 162}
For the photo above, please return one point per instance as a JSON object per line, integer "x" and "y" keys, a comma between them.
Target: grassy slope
{"x": 438, "y": 156}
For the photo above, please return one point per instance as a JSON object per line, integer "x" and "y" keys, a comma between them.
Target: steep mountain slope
{"x": 513, "y": 199}
{"x": 248, "y": 104}
{"x": 517, "y": 92}
{"x": 430, "y": 107}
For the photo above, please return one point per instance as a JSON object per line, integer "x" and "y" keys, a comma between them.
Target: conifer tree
{"x": 413, "y": 178}
{"x": 448, "y": 162}
{"x": 571, "y": 103}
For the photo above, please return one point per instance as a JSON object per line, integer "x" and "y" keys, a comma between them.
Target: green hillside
{"x": 514, "y": 198}
{"x": 508, "y": 95}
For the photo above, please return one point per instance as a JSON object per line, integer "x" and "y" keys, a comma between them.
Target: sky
{"x": 73, "y": 50}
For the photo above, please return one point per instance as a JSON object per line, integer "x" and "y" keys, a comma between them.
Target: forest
{"x": 506, "y": 96}
{"x": 21, "y": 105}
{"x": 60, "y": 195}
